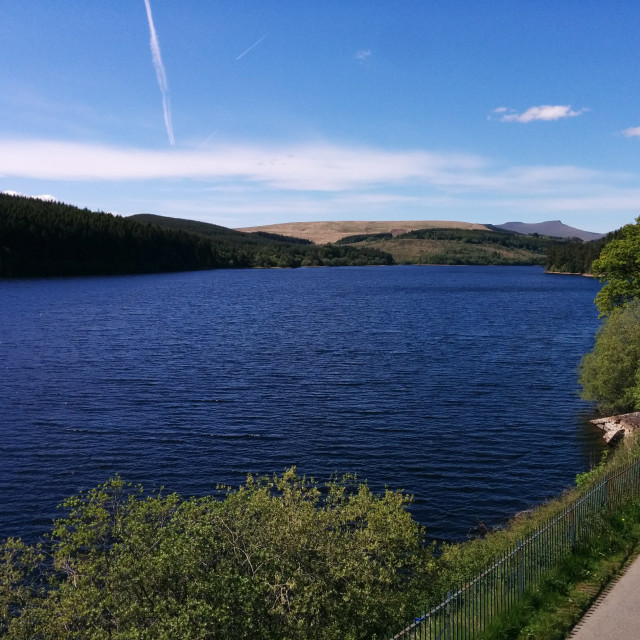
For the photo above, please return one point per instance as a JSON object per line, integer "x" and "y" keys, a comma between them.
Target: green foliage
{"x": 574, "y": 256}
{"x": 619, "y": 266}
{"x": 50, "y": 238}
{"x": 454, "y": 246}
{"x": 552, "y": 610}
{"x": 280, "y": 557}
{"x": 593, "y": 475}
{"x": 463, "y": 254}
{"x": 365, "y": 237}
{"x": 502, "y": 239}
{"x": 610, "y": 373}
{"x": 278, "y": 237}
{"x": 189, "y": 226}
{"x": 216, "y": 231}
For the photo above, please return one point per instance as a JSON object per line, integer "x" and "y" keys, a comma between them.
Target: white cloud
{"x": 363, "y": 55}
{"x": 545, "y": 112}
{"x": 631, "y": 132}
{"x": 320, "y": 167}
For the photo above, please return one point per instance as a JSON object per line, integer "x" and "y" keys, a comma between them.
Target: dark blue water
{"x": 457, "y": 384}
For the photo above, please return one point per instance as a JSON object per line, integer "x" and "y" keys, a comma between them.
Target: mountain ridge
{"x": 553, "y": 228}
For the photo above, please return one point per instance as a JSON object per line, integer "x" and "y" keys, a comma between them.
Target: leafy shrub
{"x": 278, "y": 558}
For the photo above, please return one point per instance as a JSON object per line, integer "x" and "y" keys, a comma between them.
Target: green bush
{"x": 610, "y": 373}
{"x": 280, "y": 557}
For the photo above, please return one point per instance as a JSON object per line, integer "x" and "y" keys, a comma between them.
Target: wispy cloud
{"x": 316, "y": 167}
{"x": 363, "y": 55}
{"x": 253, "y": 46}
{"x": 161, "y": 74}
{"x": 631, "y": 132}
{"x": 545, "y": 112}
{"x": 320, "y": 168}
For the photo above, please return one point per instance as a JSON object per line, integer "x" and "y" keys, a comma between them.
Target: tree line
{"x": 575, "y": 256}
{"x": 40, "y": 238}
{"x": 51, "y": 239}
{"x": 507, "y": 239}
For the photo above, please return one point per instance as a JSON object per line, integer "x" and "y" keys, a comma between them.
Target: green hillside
{"x": 51, "y": 239}
{"x": 451, "y": 246}
{"x": 215, "y": 230}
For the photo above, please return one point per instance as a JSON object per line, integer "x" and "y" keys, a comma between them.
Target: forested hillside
{"x": 215, "y": 230}
{"x": 40, "y": 238}
{"x": 576, "y": 256}
{"x": 50, "y": 239}
{"x": 450, "y": 246}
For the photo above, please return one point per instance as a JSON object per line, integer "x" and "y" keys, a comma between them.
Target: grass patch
{"x": 551, "y": 611}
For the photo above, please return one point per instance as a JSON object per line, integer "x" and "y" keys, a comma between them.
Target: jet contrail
{"x": 253, "y": 46}
{"x": 208, "y": 138}
{"x": 160, "y": 73}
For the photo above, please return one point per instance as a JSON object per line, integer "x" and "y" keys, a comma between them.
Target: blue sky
{"x": 250, "y": 112}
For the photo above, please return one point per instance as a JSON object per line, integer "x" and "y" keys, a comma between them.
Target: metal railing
{"x": 468, "y": 608}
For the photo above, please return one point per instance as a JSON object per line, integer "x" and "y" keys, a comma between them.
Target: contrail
{"x": 160, "y": 73}
{"x": 208, "y": 138}
{"x": 253, "y": 46}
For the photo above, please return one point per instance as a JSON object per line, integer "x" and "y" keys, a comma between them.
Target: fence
{"x": 470, "y": 607}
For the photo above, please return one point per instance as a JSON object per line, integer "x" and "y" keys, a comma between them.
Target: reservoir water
{"x": 456, "y": 384}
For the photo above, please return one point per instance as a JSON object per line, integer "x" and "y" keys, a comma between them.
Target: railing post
{"x": 572, "y": 528}
{"x": 520, "y": 565}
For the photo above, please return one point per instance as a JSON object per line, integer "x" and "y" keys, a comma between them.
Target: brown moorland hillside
{"x": 325, "y": 232}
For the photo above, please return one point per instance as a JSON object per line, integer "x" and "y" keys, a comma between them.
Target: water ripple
{"x": 457, "y": 385}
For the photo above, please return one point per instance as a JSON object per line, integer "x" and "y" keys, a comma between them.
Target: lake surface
{"x": 456, "y": 384}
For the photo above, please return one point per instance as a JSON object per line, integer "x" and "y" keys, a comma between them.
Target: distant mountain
{"x": 553, "y": 228}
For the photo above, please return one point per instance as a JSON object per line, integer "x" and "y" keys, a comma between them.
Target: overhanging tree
{"x": 610, "y": 373}
{"x": 618, "y": 266}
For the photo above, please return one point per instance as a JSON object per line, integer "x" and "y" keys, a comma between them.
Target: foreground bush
{"x": 278, "y": 558}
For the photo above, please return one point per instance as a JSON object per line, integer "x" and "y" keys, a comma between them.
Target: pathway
{"x": 616, "y": 613}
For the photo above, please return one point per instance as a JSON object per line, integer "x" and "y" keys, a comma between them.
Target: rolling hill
{"x": 439, "y": 242}
{"x": 324, "y": 232}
